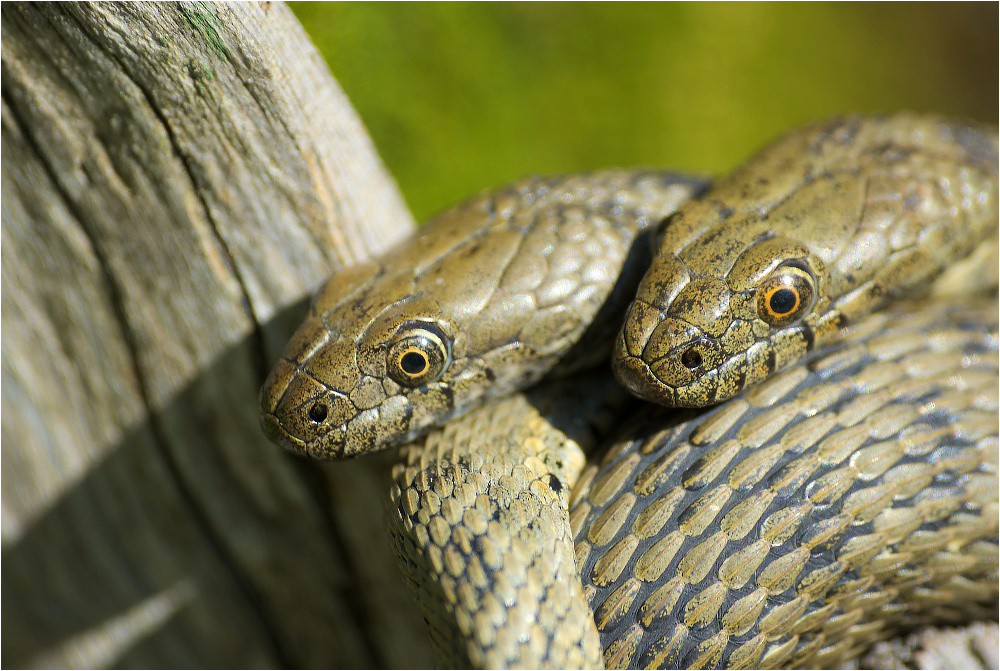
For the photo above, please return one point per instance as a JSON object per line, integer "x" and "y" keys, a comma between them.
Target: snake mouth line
{"x": 272, "y": 427}
{"x": 330, "y": 445}
{"x": 713, "y": 385}
{"x": 635, "y": 375}
{"x": 716, "y": 373}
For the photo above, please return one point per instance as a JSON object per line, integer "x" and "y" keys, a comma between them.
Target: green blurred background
{"x": 463, "y": 96}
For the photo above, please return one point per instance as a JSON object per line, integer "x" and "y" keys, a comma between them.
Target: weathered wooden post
{"x": 176, "y": 179}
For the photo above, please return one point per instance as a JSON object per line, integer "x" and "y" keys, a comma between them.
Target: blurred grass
{"x": 463, "y": 96}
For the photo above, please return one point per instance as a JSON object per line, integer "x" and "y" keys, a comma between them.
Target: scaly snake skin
{"x": 479, "y": 523}
{"x": 849, "y": 427}
{"x": 850, "y": 495}
{"x": 520, "y": 283}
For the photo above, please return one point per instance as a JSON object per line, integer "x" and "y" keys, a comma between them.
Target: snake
{"x": 733, "y": 535}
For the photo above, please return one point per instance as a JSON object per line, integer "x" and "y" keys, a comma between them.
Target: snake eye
{"x": 417, "y": 355}
{"x": 785, "y": 295}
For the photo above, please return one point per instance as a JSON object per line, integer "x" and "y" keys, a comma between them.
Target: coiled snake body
{"x": 791, "y": 525}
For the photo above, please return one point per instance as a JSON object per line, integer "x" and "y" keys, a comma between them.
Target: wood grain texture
{"x": 176, "y": 179}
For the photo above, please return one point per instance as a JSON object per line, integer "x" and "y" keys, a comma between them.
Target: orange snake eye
{"x": 417, "y": 355}
{"x": 785, "y": 296}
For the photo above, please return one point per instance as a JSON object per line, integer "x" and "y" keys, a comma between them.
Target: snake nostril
{"x": 691, "y": 358}
{"x": 318, "y": 412}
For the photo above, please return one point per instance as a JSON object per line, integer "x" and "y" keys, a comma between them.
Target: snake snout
{"x": 272, "y": 429}
{"x": 681, "y": 366}
{"x": 302, "y": 415}
{"x": 679, "y": 332}
{"x": 676, "y": 355}
{"x": 634, "y": 375}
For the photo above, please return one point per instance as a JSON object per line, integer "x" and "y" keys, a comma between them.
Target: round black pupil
{"x": 413, "y": 363}
{"x": 691, "y": 359}
{"x": 782, "y": 301}
{"x": 317, "y": 412}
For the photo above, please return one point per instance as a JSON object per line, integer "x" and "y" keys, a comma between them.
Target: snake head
{"x": 339, "y": 391}
{"x": 298, "y": 410}
{"x": 820, "y": 228}
{"x": 693, "y": 341}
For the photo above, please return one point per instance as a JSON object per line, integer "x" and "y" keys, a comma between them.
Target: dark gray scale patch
{"x": 449, "y": 396}
{"x": 771, "y": 361}
{"x": 809, "y": 337}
